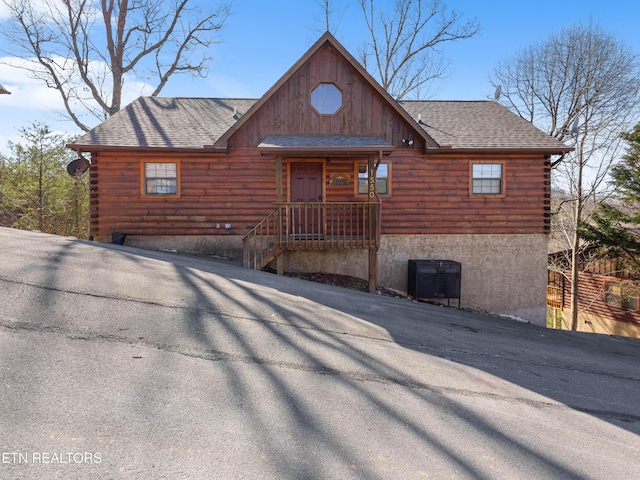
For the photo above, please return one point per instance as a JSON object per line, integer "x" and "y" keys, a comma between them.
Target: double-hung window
{"x": 487, "y": 179}
{"x": 161, "y": 178}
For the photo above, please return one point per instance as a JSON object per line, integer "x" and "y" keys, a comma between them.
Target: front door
{"x": 306, "y": 188}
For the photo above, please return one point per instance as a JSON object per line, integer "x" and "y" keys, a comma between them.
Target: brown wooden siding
{"x": 430, "y": 194}
{"x": 239, "y": 190}
{"x": 591, "y": 299}
{"x": 289, "y": 111}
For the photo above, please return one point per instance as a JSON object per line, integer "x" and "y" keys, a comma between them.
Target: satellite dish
{"x": 497, "y": 93}
{"x": 78, "y": 167}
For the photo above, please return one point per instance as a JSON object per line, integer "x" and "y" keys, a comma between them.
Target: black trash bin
{"x": 434, "y": 280}
{"x": 118, "y": 238}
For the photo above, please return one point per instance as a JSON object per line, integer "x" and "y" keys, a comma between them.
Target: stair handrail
{"x": 258, "y": 254}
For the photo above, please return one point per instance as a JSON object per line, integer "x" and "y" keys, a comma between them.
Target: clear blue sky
{"x": 264, "y": 38}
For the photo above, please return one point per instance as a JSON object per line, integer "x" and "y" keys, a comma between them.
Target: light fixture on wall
{"x": 407, "y": 142}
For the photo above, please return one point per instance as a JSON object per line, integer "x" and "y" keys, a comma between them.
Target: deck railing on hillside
{"x": 312, "y": 226}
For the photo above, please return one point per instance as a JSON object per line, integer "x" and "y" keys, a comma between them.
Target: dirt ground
{"x": 334, "y": 279}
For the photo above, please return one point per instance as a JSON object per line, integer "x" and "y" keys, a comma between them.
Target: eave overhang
{"x": 499, "y": 150}
{"x": 142, "y": 149}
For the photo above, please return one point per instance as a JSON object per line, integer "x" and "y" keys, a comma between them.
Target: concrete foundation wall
{"x": 588, "y": 322}
{"x": 227, "y": 246}
{"x": 503, "y": 274}
{"x": 354, "y": 263}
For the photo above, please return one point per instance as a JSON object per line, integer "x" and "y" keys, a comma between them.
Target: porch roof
{"x": 324, "y": 144}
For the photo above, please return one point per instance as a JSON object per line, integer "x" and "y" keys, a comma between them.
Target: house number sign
{"x": 372, "y": 184}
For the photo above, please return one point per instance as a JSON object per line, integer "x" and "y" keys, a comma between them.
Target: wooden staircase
{"x": 312, "y": 226}
{"x": 262, "y": 244}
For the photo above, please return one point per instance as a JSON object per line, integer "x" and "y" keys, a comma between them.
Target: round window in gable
{"x": 326, "y": 98}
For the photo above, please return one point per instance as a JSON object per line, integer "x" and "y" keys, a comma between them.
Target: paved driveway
{"x": 122, "y": 363}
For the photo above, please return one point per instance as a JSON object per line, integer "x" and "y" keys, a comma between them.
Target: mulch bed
{"x": 333, "y": 279}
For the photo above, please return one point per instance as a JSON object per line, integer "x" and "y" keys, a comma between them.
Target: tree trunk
{"x": 575, "y": 244}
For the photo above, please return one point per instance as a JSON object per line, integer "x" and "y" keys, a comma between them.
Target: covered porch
{"x": 312, "y": 215}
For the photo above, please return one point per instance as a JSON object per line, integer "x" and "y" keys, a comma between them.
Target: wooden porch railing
{"x": 312, "y": 226}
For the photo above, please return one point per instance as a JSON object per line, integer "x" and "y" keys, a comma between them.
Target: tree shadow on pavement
{"x": 325, "y": 382}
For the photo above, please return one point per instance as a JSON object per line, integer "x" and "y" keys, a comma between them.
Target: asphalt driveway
{"x": 117, "y": 362}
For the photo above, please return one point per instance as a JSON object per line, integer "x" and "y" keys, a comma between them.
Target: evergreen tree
{"x": 615, "y": 227}
{"x": 37, "y": 193}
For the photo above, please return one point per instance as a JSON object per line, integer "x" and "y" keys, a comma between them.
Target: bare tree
{"x": 329, "y": 16}
{"x": 86, "y": 50}
{"x": 580, "y": 86}
{"x": 403, "y": 51}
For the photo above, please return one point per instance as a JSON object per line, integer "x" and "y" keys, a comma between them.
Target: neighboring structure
{"x": 4, "y": 91}
{"x": 326, "y": 172}
{"x": 607, "y": 296}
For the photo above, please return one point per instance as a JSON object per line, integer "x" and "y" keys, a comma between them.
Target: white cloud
{"x": 4, "y": 11}
{"x": 30, "y": 93}
{"x": 26, "y": 92}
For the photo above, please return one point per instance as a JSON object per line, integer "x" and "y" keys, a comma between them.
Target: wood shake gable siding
{"x": 289, "y": 111}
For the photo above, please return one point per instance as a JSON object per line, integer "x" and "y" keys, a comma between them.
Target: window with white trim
{"x": 486, "y": 179}
{"x": 161, "y": 178}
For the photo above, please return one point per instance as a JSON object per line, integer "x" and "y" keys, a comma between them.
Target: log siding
{"x": 430, "y": 194}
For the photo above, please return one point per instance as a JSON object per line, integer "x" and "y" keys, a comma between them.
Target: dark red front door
{"x": 306, "y": 187}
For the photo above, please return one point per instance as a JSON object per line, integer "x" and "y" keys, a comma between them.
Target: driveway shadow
{"x": 279, "y": 328}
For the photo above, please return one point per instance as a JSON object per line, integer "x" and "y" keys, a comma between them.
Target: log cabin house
{"x": 327, "y": 173}
{"x": 608, "y": 295}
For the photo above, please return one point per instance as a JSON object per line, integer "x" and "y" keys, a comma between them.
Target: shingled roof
{"x": 166, "y": 123}
{"x": 194, "y": 123}
{"x": 478, "y": 125}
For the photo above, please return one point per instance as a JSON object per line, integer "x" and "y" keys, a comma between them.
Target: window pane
{"x": 382, "y": 179}
{"x": 161, "y": 178}
{"x": 612, "y": 294}
{"x": 362, "y": 185}
{"x": 326, "y": 98}
{"x": 486, "y": 186}
{"x": 487, "y": 178}
{"x": 629, "y": 295}
{"x": 162, "y": 186}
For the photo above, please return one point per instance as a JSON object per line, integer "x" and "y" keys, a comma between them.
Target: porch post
{"x": 373, "y": 224}
{"x": 279, "y": 179}
{"x": 279, "y": 195}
